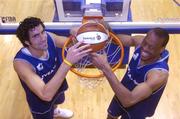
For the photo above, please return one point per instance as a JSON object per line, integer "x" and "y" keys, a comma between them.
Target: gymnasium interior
{"x": 124, "y": 16}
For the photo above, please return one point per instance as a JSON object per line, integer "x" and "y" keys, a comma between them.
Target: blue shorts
{"x": 116, "y": 110}
{"x": 49, "y": 115}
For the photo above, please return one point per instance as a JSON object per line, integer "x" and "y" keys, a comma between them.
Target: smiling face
{"x": 37, "y": 39}
{"x": 151, "y": 48}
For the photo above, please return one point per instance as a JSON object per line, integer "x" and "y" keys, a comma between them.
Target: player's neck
{"x": 150, "y": 61}
{"x": 38, "y": 53}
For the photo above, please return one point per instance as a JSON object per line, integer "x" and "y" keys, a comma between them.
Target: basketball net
{"x": 88, "y": 75}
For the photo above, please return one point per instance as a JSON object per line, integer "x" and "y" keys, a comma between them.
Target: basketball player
{"x": 137, "y": 95}
{"x": 40, "y": 69}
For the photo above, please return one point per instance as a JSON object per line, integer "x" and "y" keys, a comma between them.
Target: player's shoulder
{"x": 158, "y": 74}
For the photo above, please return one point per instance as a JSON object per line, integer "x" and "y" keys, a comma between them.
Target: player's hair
{"x": 161, "y": 34}
{"x": 25, "y": 26}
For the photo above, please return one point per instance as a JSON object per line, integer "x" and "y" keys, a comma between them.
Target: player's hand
{"x": 99, "y": 60}
{"x": 77, "y": 51}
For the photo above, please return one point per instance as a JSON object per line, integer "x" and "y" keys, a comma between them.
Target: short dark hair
{"x": 27, "y": 24}
{"x": 162, "y": 34}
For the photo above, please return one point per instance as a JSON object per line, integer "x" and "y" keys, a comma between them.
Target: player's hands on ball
{"x": 77, "y": 52}
{"x": 99, "y": 60}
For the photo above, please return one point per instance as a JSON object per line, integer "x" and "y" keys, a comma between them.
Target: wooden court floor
{"x": 85, "y": 102}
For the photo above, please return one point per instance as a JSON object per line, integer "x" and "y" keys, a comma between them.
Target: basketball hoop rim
{"x": 115, "y": 38}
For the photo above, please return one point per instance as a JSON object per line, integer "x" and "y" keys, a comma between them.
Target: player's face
{"x": 38, "y": 38}
{"x": 151, "y": 48}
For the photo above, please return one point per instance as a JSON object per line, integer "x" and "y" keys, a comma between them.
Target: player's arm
{"x": 35, "y": 83}
{"x": 155, "y": 79}
{"x": 128, "y": 40}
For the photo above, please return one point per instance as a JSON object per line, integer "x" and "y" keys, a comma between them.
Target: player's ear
{"x": 27, "y": 42}
{"x": 162, "y": 49}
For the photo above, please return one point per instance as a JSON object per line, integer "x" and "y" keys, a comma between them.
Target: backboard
{"x": 111, "y": 10}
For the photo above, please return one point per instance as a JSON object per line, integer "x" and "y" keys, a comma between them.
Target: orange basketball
{"x": 94, "y": 34}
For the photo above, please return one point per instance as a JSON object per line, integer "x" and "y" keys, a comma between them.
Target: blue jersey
{"x": 46, "y": 69}
{"x": 134, "y": 75}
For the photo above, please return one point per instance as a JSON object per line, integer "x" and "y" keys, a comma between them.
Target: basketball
{"x": 94, "y": 34}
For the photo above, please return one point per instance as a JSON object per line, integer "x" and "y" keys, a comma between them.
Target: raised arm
{"x": 128, "y": 40}
{"x": 155, "y": 79}
{"x": 47, "y": 91}
{"x": 34, "y": 82}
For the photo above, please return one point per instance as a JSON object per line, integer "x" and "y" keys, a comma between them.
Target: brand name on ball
{"x": 92, "y": 37}
{"x": 97, "y": 37}
{"x": 89, "y": 38}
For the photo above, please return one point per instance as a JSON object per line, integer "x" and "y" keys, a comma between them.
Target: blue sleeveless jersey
{"x": 137, "y": 74}
{"x": 46, "y": 69}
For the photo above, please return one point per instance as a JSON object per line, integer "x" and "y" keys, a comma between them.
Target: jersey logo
{"x": 130, "y": 76}
{"x": 39, "y": 67}
{"x": 135, "y": 56}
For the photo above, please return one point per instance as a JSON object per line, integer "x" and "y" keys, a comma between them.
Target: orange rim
{"x": 115, "y": 39}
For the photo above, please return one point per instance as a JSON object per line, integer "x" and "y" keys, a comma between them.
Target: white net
{"x": 91, "y": 82}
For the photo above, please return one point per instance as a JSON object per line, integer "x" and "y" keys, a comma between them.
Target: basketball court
{"x": 87, "y": 103}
